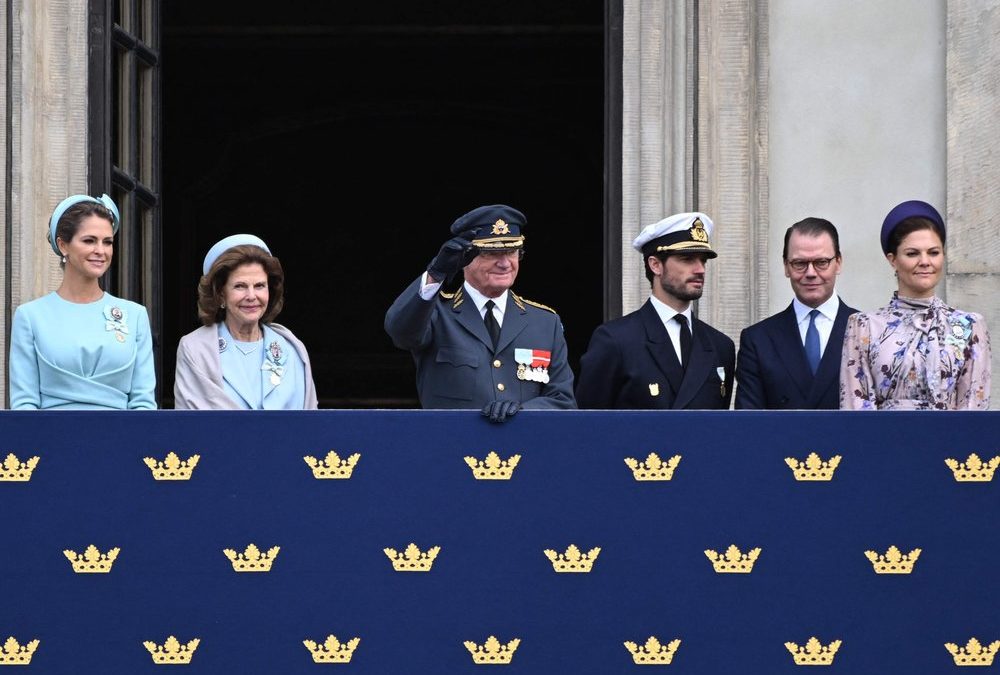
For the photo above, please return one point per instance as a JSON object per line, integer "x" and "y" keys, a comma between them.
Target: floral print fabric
{"x": 915, "y": 354}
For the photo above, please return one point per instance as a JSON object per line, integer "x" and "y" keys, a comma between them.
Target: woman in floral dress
{"x": 916, "y": 353}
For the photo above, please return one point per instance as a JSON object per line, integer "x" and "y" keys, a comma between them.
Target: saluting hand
{"x": 451, "y": 257}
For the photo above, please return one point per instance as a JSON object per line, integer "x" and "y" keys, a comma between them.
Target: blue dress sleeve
{"x": 142, "y": 394}
{"x": 25, "y": 391}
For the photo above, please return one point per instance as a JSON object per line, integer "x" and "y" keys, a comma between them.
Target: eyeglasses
{"x": 819, "y": 264}
{"x": 509, "y": 253}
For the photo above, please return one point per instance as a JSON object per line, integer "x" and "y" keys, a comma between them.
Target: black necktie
{"x": 685, "y": 339}
{"x": 492, "y": 327}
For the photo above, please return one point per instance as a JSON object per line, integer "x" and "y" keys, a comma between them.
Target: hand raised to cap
{"x": 500, "y": 411}
{"x": 452, "y": 257}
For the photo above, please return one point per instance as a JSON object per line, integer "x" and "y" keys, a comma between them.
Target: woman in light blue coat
{"x": 239, "y": 359}
{"x": 80, "y": 348}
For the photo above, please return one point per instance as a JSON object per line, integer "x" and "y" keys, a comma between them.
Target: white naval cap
{"x": 682, "y": 232}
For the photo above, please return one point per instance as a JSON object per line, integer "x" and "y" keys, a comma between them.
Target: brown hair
{"x": 210, "y": 309}
{"x": 69, "y": 221}
{"x": 907, "y": 227}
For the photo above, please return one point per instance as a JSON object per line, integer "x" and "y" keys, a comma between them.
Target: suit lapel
{"x": 468, "y": 316}
{"x": 660, "y": 348}
{"x": 515, "y": 320}
{"x": 702, "y": 362}
{"x": 788, "y": 345}
{"x": 828, "y": 373}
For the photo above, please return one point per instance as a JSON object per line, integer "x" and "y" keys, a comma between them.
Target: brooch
{"x": 223, "y": 345}
{"x": 115, "y": 321}
{"x": 273, "y": 362}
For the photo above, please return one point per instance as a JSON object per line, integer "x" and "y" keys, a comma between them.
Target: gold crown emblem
{"x": 16, "y": 471}
{"x": 813, "y": 653}
{"x": 492, "y": 652}
{"x": 973, "y": 653}
{"x": 332, "y": 650}
{"x": 14, "y": 654}
{"x": 653, "y": 653}
{"x": 172, "y": 467}
{"x": 92, "y": 561}
{"x": 653, "y": 468}
{"x": 573, "y": 560}
{"x": 893, "y": 562}
{"x": 813, "y": 468}
{"x": 252, "y": 560}
{"x": 733, "y": 561}
{"x": 332, "y": 466}
{"x": 171, "y": 652}
{"x": 698, "y": 231}
{"x": 412, "y": 559}
{"x": 973, "y": 470}
{"x": 500, "y": 227}
{"x": 493, "y": 468}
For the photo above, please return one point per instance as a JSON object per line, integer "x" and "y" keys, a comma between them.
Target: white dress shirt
{"x": 667, "y": 314}
{"x": 824, "y": 320}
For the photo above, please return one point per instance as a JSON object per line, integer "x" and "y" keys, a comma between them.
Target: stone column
{"x": 47, "y": 91}
{"x": 973, "y": 164}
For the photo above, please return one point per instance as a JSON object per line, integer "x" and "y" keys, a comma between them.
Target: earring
{"x": 64, "y": 260}
{"x": 223, "y": 305}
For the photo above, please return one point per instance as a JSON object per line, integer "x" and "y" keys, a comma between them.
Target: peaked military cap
{"x": 680, "y": 233}
{"x": 493, "y": 227}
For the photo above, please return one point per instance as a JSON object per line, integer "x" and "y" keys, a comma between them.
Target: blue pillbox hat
{"x": 910, "y": 209}
{"x": 229, "y": 242}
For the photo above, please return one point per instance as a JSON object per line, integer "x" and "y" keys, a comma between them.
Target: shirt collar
{"x": 667, "y": 313}
{"x": 479, "y": 299}
{"x": 828, "y": 309}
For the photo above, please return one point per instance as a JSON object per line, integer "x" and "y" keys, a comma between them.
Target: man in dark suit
{"x": 482, "y": 346}
{"x": 792, "y": 360}
{"x": 660, "y": 356}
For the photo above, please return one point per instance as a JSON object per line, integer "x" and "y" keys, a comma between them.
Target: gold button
{"x": 500, "y": 386}
{"x": 497, "y": 364}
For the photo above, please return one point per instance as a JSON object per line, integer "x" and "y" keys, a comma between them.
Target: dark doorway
{"x": 350, "y": 135}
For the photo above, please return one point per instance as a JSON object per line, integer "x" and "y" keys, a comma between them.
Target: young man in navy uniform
{"x": 792, "y": 360}
{"x": 482, "y": 346}
{"x": 660, "y": 356}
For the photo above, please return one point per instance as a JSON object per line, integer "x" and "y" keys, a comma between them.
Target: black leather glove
{"x": 453, "y": 256}
{"x": 501, "y": 411}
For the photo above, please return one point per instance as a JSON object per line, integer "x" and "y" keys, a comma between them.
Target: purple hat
{"x": 910, "y": 209}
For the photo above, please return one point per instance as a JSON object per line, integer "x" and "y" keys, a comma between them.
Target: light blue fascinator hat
{"x": 105, "y": 201}
{"x": 229, "y": 242}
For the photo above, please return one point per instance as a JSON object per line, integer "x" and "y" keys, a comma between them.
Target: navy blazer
{"x": 457, "y": 366}
{"x": 631, "y": 364}
{"x": 772, "y": 369}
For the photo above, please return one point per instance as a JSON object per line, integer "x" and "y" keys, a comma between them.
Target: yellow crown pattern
{"x": 412, "y": 559}
{"x": 252, "y": 560}
{"x": 573, "y": 560}
{"x": 733, "y": 561}
{"x": 653, "y": 468}
{"x": 172, "y": 652}
{"x": 492, "y": 652}
{"x": 332, "y": 650}
{"x": 14, "y": 654}
{"x": 92, "y": 561}
{"x": 15, "y": 471}
{"x": 973, "y": 653}
{"x": 653, "y": 653}
{"x": 813, "y": 468}
{"x": 332, "y": 466}
{"x": 893, "y": 561}
{"x": 972, "y": 470}
{"x": 172, "y": 467}
{"x": 493, "y": 468}
{"x": 813, "y": 653}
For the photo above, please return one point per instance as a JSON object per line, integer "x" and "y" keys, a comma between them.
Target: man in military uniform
{"x": 482, "y": 346}
{"x": 660, "y": 356}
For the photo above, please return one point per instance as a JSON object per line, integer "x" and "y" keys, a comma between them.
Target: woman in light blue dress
{"x": 239, "y": 359}
{"x": 80, "y": 348}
